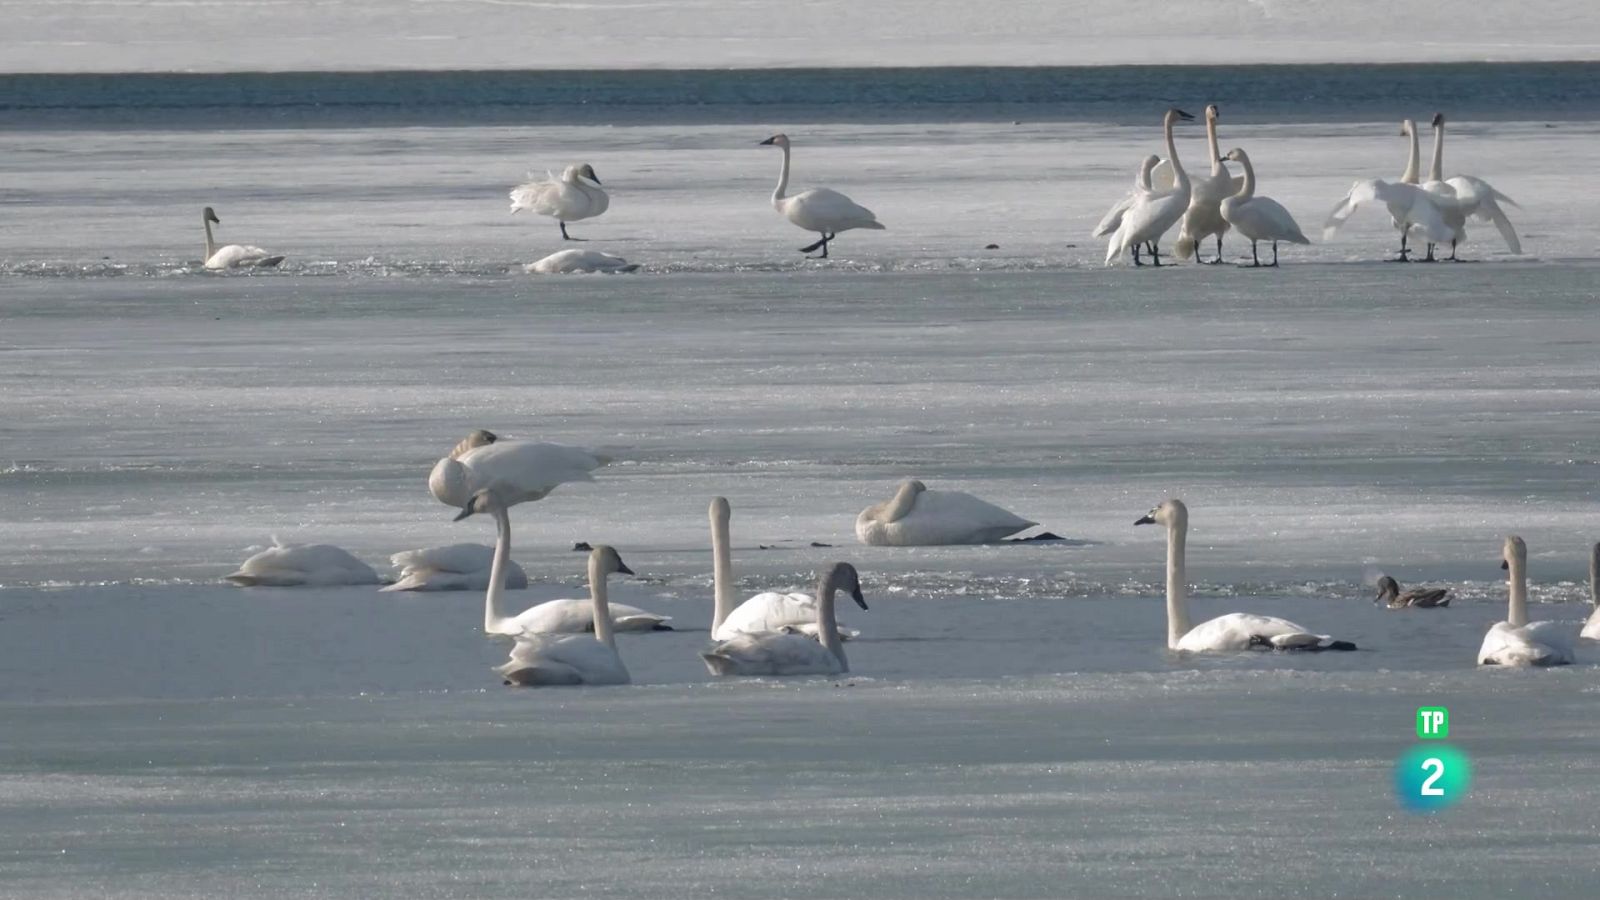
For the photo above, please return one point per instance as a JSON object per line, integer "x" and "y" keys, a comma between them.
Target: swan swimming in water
{"x": 1204, "y": 216}
{"x": 1390, "y": 595}
{"x": 1591, "y": 628}
{"x": 918, "y": 517}
{"x": 1410, "y": 207}
{"x": 1150, "y": 217}
{"x": 825, "y": 211}
{"x": 515, "y": 471}
{"x": 789, "y": 652}
{"x": 571, "y": 262}
{"x": 1516, "y": 641}
{"x": 1112, "y": 220}
{"x": 457, "y": 567}
{"x": 233, "y": 256}
{"x": 1228, "y": 633}
{"x": 546, "y": 660}
{"x": 1257, "y": 218}
{"x": 1462, "y": 197}
{"x": 575, "y": 196}
{"x": 767, "y": 611}
{"x": 302, "y": 565}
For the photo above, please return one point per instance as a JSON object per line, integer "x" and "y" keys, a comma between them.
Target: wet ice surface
{"x": 1012, "y": 728}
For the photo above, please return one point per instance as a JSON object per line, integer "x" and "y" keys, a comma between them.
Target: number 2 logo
{"x": 1435, "y": 765}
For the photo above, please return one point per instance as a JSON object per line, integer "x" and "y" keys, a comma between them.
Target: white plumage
{"x": 575, "y": 196}
{"x": 824, "y": 211}
{"x": 1149, "y": 217}
{"x": 542, "y": 659}
{"x": 1259, "y": 218}
{"x": 1462, "y": 197}
{"x": 457, "y": 567}
{"x": 1204, "y": 216}
{"x": 573, "y": 262}
{"x": 765, "y": 612}
{"x": 918, "y": 517}
{"x": 302, "y": 565}
{"x": 1112, "y": 220}
{"x": 516, "y": 471}
{"x": 576, "y": 616}
{"x": 1516, "y": 641}
{"x": 789, "y": 652}
{"x": 233, "y": 256}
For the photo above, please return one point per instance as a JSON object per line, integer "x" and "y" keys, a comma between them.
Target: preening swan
{"x": 1390, "y": 595}
{"x": 302, "y": 565}
{"x": 768, "y": 611}
{"x": 545, "y": 660}
{"x": 575, "y": 196}
{"x": 233, "y": 256}
{"x": 457, "y": 567}
{"x": 1408, "y": 204}
{"x": 569, "y": 262}
{"x": 515, "y": 471}
{"x": 1257, "y": 218}
{"x": 1148, "y": 218}
{"x": 1591, "y": 628}
{"x": 1463, "y": 196}
{"x": 1224, "y": 634}
{"x": 1204, "y": 217}
{"x": 1516, "y": 641}
{"x": 827, "y": 212}
{"x": 1112, "y": 220}
{"x": 918, "y": 517}
{"x": 789, "y": 652}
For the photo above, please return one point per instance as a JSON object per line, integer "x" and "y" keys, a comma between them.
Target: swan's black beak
{"x": 765, "y": 143}
{"x": 860, "y": 600}
{"x": 465, "y": 511}
{"x": 594, "y": 178}
{"x": 1145, "y": 520}
{"x": 622, "y": 568}
{"x": 1184, "y": 115}
{"x": 1505, "y": 566}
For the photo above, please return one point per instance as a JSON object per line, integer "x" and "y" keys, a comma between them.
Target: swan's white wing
{"x": 517, "y": 471}
{"x": 1243, "y": 631}
{"x": 1534, "y": 644}
{"x": 1365, "y": 191}
{"x": 1263, "y": 218}
{"x": 576, "y": 616}
{"x": 238, "y": 256}
{"x": 1112, "y": 220}
{"x": 544, "y": 660}
{"x": 945, "y": 517}
{"x": 1147, "y": 220}
{"x": 1480, "y": 200}
{"x": 822, "y": 209}
{"x": 1591, "y": 628}
{"x": 449, "y": 558}
{"x": 777, "y": 653}
{"x": 1162, "y": 178}
{"x": 309, "y": 565}
{"x": 774, "y": 611}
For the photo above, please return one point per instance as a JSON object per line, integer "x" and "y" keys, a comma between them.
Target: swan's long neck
{"x": 1177, "y": 585}
{"x": 1517, "y": 615}
{"x": 1141, "y": 181}
{"x": 828, "y": 623}
{"x": 1180, "y": 178}
{"x": 1436, "y": 168}
{"x": 721, "y": 572}
{"x": 1217, "y": 168}
{"x": 783, "y": 179}
{"x": 494, "y": 616}
{"x": 1594, "y": 576}
{"x": 1409, "y": 176}
{"x": 602, "y": 607}
{"x": 1248, "y": 189}
{"x": 211, "y": 244}
{"x": 900, "y": 505}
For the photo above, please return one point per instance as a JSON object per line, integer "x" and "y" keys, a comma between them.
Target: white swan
{"x": 1228, "y": 633}
{"x": 1591, "y": 628}
{"x": 1409, "y": 205}
{"x": 1464, "y": 196}
{"x": 233, "y": 256}
{"x": 544, "y": 660}
{"x": 789, "y": 652}
{"x": 918, "y": 517}
{"x": 1257, "y": 218}
{"x": 515, "y": 471}
{"x": 1389, "y": 594}
{"x": 1516, "y": 641}
{"x": 302, "y": 565}
{"x": 767, "y": 611}
{"x": 827, "y": 212}
{"x": 1150, "y": 217}
{"x": 568, "y": 262}
{"x": 457, "y": 567}
{"x": 1112, "y": 220}
{"x": 575, "y": 196}
{"x": 1204, "y": 217}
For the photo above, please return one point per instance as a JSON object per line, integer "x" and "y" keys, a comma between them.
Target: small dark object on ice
{"x": 582, "y": 547}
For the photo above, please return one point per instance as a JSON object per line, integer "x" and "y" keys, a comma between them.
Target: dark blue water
{"x": 1112, "y": 93}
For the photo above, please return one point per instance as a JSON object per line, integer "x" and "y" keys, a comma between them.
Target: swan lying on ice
{"x": 302, "y": 565}
{"x": 458, "y": 567}
{"x": 572, "y": 262}
{"x": 575, "y": 196}
{"x": 233, "y": 256}
{"x": 918, "y": 517}
{"x": 789, "y": 652}
{"x": 767, "y": 611}
{"x": 546, "y": 660}
{"x": 1516, "y": 641}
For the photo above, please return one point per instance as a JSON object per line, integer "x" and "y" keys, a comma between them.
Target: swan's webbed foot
{"x": 1429, "y": 257}
{"x": 568, "y": 237}
{"x": 823, "y": 243}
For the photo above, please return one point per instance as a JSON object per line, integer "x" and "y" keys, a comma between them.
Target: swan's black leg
{"x": 823, "y": 243}
{"x": 565, "y": 236}
{"x": 1453, "y": 250}
{"x": 1274, "y": 254}
{"x": 1135, "y": 250}
{"x": 1150, "y": 246}
{"x": 1219, "y": 251}
{"x": 1255, "y": 261}
{"x": 1429, "y": 257}
{"x": 1405, "y": 255}
{"x": 1155, "y": 254}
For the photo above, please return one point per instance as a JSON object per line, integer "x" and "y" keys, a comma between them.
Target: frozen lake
{"x": 1013, "y": 727}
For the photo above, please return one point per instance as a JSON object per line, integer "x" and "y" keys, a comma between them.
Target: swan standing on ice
{"x": 918, "y": 517}
{"x": 1409, "y": 205}
{"x": 1516, "y": 641}
{"x": 569, "y": 262}
{"x": 1228, "y": 633}
{"x": 1204, "y": 216}
{"x": 1389, "y": 594}
{"x": 302, "y": 565}
{"x": 1464, "y": 196}
{"x": 1112, "y": 220}
{"x": 765, "y": 612}
{"x": 1150, "y": 217}
{"x": 827, "y": 212}
{"x": 544, "y": 660}
{"x": 514, "y": 471}
{"x": 1591, "y": 628}
{"x": 575, "y": 196}
{"x": 789, "y": 652}
{"x": 233, "y": 256}
{"x": 1257, "y": 218}
{"x": 458, "y": 567}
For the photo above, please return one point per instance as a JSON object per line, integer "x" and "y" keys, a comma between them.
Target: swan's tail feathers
{"x": 1492, "y": 211}
{"x": 1184, "y": 247}
{"x": 875, "y": 225}
{"x": 1339, "y": 215}
{"x": 718, "y": 664}
{"x": 242, "y": 579}
{"x": 412, "y": 582}
{"x": 1502, "y": 198}
{"x": 269, "y": 262}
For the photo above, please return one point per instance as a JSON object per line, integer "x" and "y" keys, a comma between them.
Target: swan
{"x": 767, "y": 611}
{"x": 1204, "y": 216}
{"x": 1409, "y": 205}
{"x": 302, "y": 565}
{"x": 1465, "y": 196}
{"x": 543, "y": 660}
{"x": 1516, "y": 641}
{"x": 575, "y": 196}
{"x": 515, "y": 471}
{"x": 827, "y": 212}
{"x": 567, "y": 262}
{"x": 1257, "y": 218}
{"x": 233, "y": 256}
{"x": 1112, "y": 220}
{"x": 789, "y": 652}
{"x": 1591, "y": 628}
{"x": 918, "y": 517}
{"x": 458, "y": 567}
{"x": 1150, "y": 217}
{"x": 1228, "y": 633}
{"x": 1389, "y": 593}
